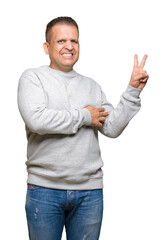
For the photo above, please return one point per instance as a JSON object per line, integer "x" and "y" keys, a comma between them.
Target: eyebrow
{"x": 61, "y": 39}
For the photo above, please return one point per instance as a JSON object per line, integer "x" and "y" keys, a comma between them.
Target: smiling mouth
{"x": 67, "y": 54}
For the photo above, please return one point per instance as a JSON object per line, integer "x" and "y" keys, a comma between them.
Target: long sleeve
{"x": 120, "y": 116}
{"x": 38, "y": 118}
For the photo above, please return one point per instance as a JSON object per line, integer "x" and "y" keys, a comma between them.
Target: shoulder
{"x": 31, "y": 75}
{"x": 32, "y": 71}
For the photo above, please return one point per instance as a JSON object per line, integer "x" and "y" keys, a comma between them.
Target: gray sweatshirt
{"x": 63, "y": 150}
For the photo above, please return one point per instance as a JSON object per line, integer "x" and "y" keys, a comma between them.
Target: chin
{"x": 69, "y": 65}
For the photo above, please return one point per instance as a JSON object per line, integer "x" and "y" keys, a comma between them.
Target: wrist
{"x": 134, "y": 84}
{"x": 87, "y": 119}
{"x": 133, "y": 91}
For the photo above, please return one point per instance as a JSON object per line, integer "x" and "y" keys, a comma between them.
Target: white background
{"x": 111, "y": 32}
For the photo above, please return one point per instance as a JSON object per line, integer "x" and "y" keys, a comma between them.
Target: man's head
{"x": 62, "y": 43}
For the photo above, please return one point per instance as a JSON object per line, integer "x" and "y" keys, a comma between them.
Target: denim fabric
{"x": 49, "y": 210}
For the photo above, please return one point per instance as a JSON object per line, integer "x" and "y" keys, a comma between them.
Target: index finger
{"x": 142, "y": 64}
{"x": 135, "y": 60}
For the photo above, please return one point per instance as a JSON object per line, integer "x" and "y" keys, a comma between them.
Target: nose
{"x": 69, "y": 45}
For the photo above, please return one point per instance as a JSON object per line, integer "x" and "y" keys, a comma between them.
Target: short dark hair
{"x": 65, "y": 20}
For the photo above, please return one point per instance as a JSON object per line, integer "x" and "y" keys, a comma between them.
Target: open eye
{"x": 74, "y": 41}
{"x": 61, "y": 41}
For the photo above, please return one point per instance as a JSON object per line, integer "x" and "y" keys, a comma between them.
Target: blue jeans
{"x": 49, "y": 210}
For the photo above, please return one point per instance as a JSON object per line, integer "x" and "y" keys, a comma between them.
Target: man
{"x": 63, "y": 112}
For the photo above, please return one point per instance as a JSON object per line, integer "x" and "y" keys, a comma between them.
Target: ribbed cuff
{"x": 135, "y": 92}
{"x": 86, "y": 116}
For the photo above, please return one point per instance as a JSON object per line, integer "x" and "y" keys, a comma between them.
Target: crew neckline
{"x": 69, "y": 74}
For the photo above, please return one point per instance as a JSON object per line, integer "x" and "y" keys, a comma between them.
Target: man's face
{"x": 63, "y": 47}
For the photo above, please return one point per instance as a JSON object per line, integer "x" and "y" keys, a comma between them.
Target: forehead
{"x": 64, "y": 31}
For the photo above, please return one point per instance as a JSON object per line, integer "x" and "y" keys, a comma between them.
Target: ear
{"x": 46, "y": 47}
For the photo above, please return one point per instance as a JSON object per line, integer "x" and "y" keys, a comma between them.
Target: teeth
{"x": 67, "y": 54}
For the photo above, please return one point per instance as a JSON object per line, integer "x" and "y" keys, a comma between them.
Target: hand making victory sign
{"x": 138, "y": 80}
{"x": 139, "y": 77}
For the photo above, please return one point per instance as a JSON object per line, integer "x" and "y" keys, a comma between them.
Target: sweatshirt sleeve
{"x": 120, "y": 116}
{"x": 38, "y": 118}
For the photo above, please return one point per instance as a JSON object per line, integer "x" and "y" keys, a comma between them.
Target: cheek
{"x": 77, "y": 50}
{"x": 54, "y": 54}
{"x": 54, "y": 50}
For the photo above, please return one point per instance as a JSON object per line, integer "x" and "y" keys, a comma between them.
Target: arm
{"x": 40, "y": 119}
{"x": 120, "y": 116}
{"x": 129, "y": 105}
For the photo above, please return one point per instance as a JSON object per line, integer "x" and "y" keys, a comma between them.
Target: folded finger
{"x": 144, "y": 79}
{"x": 140, "y": 76}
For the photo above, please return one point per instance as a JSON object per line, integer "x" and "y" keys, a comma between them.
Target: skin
{"x": 139, "y": 77}
{"x": 63, "y": 39}
{"x": 63, "y": 51}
